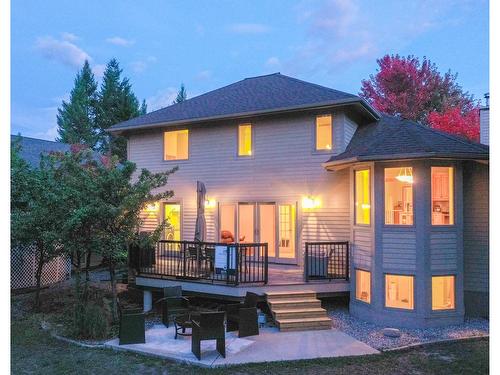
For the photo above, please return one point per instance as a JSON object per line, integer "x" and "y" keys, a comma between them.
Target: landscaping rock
{"x": 391, "y": 332}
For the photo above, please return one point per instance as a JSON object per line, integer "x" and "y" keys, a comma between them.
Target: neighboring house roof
{"x": 249, "y": 97}
{"x": 31, "y": 148}
{"x": 393, "y": 138}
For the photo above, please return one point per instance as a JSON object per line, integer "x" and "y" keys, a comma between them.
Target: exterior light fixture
{"x": 310, "y": 202}
{"x": 209, "y": 203}
{"x": 152, "y": 207}
{"x": 405, "y": 175}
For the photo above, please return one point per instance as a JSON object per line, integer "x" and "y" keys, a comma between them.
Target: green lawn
{"x": 35, "y": 352}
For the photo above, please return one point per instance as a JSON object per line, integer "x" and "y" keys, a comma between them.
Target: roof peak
{"x": 263, "y": 75}
{"x": 36, "y": 139}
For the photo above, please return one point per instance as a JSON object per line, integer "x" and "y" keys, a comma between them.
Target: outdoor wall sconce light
{"x": 152, "y": 207}
{"x": 210, "y": 203}
{"x": 310, "y": 202}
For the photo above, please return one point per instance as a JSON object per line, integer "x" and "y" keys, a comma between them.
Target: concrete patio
{"x": 270, "y": 345}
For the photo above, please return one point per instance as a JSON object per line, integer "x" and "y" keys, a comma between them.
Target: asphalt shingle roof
{"x": 252, "y": 95}
{"x": 392, "y": 137}
{"x": 31, "y": 148}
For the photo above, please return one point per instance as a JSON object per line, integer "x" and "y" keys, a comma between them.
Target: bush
{"x": 90, "y": 321}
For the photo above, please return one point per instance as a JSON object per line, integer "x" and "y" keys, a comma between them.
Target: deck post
{"x": 266, "y": 264}
{"x": 147, "y": 300}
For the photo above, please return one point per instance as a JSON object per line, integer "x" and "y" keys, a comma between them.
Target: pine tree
{"x": 117, "y": 103}
{"x": 144, "y": 108}
{"x": 181, "y": 95}
{"x": 76, "y": 118}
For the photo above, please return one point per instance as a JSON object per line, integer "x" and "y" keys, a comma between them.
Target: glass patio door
{"x": 272, "y": 223}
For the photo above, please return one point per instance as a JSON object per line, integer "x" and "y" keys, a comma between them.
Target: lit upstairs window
{"x": 362, "y": 206}
{"x": 176, "y": 145}
{"x": 324, "y": 135}
{"x": 245, "y": 140}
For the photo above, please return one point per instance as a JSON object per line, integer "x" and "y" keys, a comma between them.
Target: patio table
{"x": 183, "y": 321}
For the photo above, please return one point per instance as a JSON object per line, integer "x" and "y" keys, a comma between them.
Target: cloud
{"x": 35, "y": 122}
{"x": 204, "y": 75}
{"x": 119, "y": 41}
{"x": 162, "y": 98}
{"x": 273, "y": 62}
{"x": 249, "y": 28}
{"x": 98, "y": 70}
{"x": 70, "y": 37}
{"x": 140, "y": 66}
{"x": 339, "y": 33}
{"x": 62, "y": 51}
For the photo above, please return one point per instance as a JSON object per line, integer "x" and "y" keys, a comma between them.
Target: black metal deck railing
{"x": 212, "y": 262}
{"x": 326, "y": 260}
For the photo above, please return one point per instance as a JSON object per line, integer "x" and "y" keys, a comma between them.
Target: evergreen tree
{"x": 181, "y": 95}
{"x": 144, "y": 108}
{"x": 76, "y": 118}
{"x": 117, "y": 103}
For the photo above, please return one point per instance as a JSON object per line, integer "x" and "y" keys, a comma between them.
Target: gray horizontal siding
{"x": 443, "y": 247}
{"x": 476, "y": 227}
{"x": 399, "y": 250}
{"x": 362, "y": 247}
{"x": 349, "y": 130}
{"x": 283, "y": 169}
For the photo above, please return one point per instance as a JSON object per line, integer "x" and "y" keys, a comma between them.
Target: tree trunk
{"x": 114, "y": 307}
{"x": 87, "y": 266}
{"x": 78, "y": 265}
{"x": 38, "y": 275}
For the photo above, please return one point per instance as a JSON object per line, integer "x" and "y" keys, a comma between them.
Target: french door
{"x": 262, "y": 222}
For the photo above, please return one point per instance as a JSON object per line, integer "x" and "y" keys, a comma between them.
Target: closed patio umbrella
{"x": 199, "y": 233}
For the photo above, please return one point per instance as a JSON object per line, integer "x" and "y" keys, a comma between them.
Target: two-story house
{"x": 398, "y": 206}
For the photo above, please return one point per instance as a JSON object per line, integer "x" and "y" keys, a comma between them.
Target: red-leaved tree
{"x": 415, "y": 90}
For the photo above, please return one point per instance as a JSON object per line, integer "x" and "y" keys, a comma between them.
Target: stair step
{"x": 294, "y": 303}
{"x": 304, "y": 324}
{"x": 272, "y": 296}
{"x": 299, "y": 313}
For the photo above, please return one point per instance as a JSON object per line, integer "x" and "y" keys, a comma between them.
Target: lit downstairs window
{"x": 245, "y": 140}
{"x": 398, "y": 188}
{"x": 399, "y": 291}
{"x": 443, "y": 292}
{"x": 176, "y": 145}
{"x": 442, "y": 196}
{"x": 324, "y": 135}
{"x": 362, "y": 197}
{"x": 363, "y": 286}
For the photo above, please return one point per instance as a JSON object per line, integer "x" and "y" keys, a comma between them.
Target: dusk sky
{"x": 209, "y": 44}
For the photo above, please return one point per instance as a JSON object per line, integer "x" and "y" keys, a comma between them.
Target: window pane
{"x": 443, "y": 292}
{"x": 362, "y": 196}
{"x": 227, "y": 215}
{"x": 173, "y": 218}
{"x": 246, "y": 222}
{"x": 442, "y": 196}
{"x": 176, "y": 145}
{"x": 286, "y": 231}
{"x": 399, "y": 196}
{"x": 363, "y": 286}
{"x": 245, "y": 140}
{"x": 399, "y": 291}
{"x": 324, "y": 132}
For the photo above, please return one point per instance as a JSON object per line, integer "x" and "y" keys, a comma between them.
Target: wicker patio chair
{"x": 243, "y": 316}
{"x": 210, "y": 326}
{"x": 173, "y": 303}
{"x": 131, "y": 329}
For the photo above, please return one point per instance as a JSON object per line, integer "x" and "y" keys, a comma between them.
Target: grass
{"x": 34, "y": 351}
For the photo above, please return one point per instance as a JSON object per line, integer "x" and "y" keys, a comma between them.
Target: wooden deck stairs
{"x": 298, "y": 311}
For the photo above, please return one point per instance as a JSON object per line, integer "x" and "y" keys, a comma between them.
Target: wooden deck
{"x": 282, "y": 278}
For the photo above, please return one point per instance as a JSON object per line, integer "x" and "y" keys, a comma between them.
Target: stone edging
{"x": 416, "y": 345}
{"x": 47, "y": 327}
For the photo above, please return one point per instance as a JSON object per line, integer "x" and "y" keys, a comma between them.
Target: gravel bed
{"x": 372, "y": 335}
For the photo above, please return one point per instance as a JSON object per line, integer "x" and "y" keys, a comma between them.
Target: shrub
{"x": 90, "y": 321}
